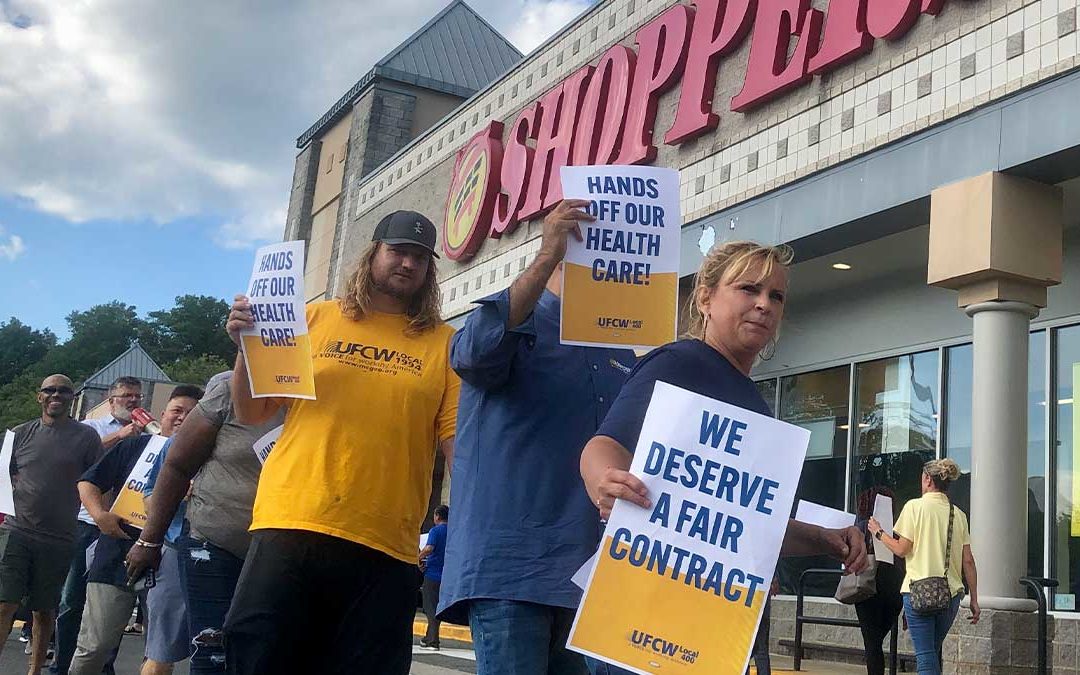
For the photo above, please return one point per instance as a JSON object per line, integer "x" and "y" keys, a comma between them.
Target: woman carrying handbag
{"x": 932, "y": 536}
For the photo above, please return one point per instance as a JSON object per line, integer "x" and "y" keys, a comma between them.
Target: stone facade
{"x": 306, "y": 171}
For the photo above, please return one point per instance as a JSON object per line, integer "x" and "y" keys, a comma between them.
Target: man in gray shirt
{"x": 215, "y": 450}
{"x": 36, "y": 545}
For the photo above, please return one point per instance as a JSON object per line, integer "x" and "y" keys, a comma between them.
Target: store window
{"x": 818, "y": 401}
{"x": 767, "y": 388}
{"x": 896, "y": 418}
{"x": 1066, "y": 539}
{"x": 957, "y": 436}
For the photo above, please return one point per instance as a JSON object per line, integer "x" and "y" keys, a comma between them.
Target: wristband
{"x": 145, "y": 544}
{"x": 877, "y": 535}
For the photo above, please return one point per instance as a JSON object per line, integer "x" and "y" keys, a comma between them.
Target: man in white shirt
{"x": 125, "y": 395}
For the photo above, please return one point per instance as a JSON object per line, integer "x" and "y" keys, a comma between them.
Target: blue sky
{"x": 67, "y": 266}
{"x": 147, "y": 148}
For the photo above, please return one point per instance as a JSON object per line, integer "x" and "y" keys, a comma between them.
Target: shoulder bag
{"x": 932, "y": 594}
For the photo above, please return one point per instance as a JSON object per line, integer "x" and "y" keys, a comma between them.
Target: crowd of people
{"x": 237, "y": 559}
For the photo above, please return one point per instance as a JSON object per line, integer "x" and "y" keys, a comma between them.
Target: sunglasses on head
{"x": 52, "y": 391}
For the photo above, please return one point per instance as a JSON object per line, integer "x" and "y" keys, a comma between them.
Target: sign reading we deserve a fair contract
{"x": 129, "y": 503}
{"x": 680, "y": 587}
{"x": 621, "y": 282}
{"x": 277, "y": 351}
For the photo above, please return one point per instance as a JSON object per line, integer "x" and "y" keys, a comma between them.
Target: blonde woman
{"x": 932, "y": 536}
{"x": 735, "y": 309}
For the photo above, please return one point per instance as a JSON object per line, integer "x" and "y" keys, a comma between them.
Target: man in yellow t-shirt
{"x": 343, "y": 494}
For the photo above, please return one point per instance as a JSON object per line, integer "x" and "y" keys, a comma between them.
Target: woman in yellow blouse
{"x": 920, "y": 537}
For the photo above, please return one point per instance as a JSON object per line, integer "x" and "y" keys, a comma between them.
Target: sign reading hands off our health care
{"x": 277, "y": 351}
{"x": 680, "y": 587}
{"x": 621, "y": 282}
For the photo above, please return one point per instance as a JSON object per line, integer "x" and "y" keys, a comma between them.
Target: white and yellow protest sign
{"x": 277, "y": 351}
{"x": 680, "y": 587}
{"x": 266, "y": 443}
{"x": 621, "y": 282}
{"x": 7, "y": 489}
{"x": 129, "y": 503}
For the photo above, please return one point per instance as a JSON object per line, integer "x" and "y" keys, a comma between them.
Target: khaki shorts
{"x": 32, "y": 572}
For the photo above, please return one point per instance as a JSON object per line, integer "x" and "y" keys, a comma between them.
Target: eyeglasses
{"x": 57, "y": 391}
{"x": 129, "y": 397}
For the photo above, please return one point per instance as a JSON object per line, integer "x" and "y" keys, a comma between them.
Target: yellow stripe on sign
{"x": 280, "y": 370}
{"x": 619, "y": 313}
{"x": 662, "y": 625}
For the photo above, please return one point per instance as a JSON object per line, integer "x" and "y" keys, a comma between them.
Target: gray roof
{"x": 457, "y": 52}
{"x": 134, "y": 362}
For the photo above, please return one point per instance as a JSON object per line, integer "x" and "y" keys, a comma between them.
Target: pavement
{"x": 455, "y": 657}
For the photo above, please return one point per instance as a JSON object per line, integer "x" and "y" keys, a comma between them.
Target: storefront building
{"x": 923, "y": 159}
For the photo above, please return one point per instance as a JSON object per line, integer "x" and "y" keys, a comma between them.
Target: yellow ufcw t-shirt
{"x": 925, "y": 522}
{"x": 356, "y": 463}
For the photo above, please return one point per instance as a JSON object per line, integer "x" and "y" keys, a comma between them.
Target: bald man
{"x": 36, "y": 545}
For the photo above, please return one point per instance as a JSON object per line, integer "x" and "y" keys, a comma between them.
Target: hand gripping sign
{"x": 621, "y": 282}
{"x": 129, "y": 503}
{"x": 680, "y": 587}
{"x": 277, "y": 351}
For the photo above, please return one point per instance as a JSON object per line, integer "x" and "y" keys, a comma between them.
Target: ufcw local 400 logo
{"x": 662, "y": 648}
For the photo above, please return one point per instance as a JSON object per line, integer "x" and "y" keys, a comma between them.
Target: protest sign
{"x": 883, "y": 513}
{"x": 7, "y": 490}
{"x": 129, "y": 503}
{"x": 277, "y": 351}
{"x": 823, "y": 516}
{"x": 266, "y": 443}
{"x": 679, "y": 587}
{"x": 621, "y": 282}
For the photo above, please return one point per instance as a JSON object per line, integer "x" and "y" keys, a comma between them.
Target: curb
{"x": 446, "y": 631}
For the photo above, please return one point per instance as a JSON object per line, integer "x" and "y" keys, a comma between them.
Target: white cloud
{"x": 123, "y": 109}
{"x": 540, "y": 20}
{"x": 11, "y": 247}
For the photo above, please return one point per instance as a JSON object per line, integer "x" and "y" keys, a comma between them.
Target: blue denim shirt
{"x": 521, "y": 522}
{"x": 176, "y": 527}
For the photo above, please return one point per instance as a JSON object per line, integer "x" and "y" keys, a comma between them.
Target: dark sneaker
{"x": 424, "y": 644}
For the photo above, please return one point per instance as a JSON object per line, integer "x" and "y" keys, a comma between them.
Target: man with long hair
{"x": 342, "y": 496}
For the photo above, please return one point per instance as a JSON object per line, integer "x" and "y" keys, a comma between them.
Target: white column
{"x": 999, "y": 451}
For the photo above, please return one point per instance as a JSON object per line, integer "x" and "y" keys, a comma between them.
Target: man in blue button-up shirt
{"x": 523, "y": 524}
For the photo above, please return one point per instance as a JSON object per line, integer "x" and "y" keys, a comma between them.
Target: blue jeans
{"x": 522, "y": 638}
{"x": 209, "y": 574}
{"x": 72, "y": 601}
{"x": 928, "y": 633}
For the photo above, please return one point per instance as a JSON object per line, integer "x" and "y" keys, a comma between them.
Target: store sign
{"x": 605, "y": 113}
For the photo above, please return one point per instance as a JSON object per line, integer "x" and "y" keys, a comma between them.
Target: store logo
{"x": 472, "y": 193}
{"x": 605, "y": 113}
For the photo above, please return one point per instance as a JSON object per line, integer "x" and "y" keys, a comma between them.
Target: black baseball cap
{"x": 406, "y": 227}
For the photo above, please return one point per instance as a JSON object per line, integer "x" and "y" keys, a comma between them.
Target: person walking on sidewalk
{"x": 215, "y": 450}
{"x": 431, "y": 560}
{"x": 341, "y": 498}
{"x": 36, "y": 547}
{"x": 522, "y": 522}
{"x": 932, "y": 537}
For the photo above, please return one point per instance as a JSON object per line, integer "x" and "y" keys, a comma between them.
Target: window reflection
{"x": 767, "y": 388}
{"x": 818, "y": 402}
{"x": 896, "y": 424}
{"x": 1066, "y": 543}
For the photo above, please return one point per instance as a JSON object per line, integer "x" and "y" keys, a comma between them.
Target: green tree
{"x": 18, "y": 400}
{"x": 196, "y": 369}
{"x": 98, "y": 335}
{"x": 194, "y": 326}
{"x": 21, "y": 347}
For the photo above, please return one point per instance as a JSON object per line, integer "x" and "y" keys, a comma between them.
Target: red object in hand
{"x": 146, "y": 420}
